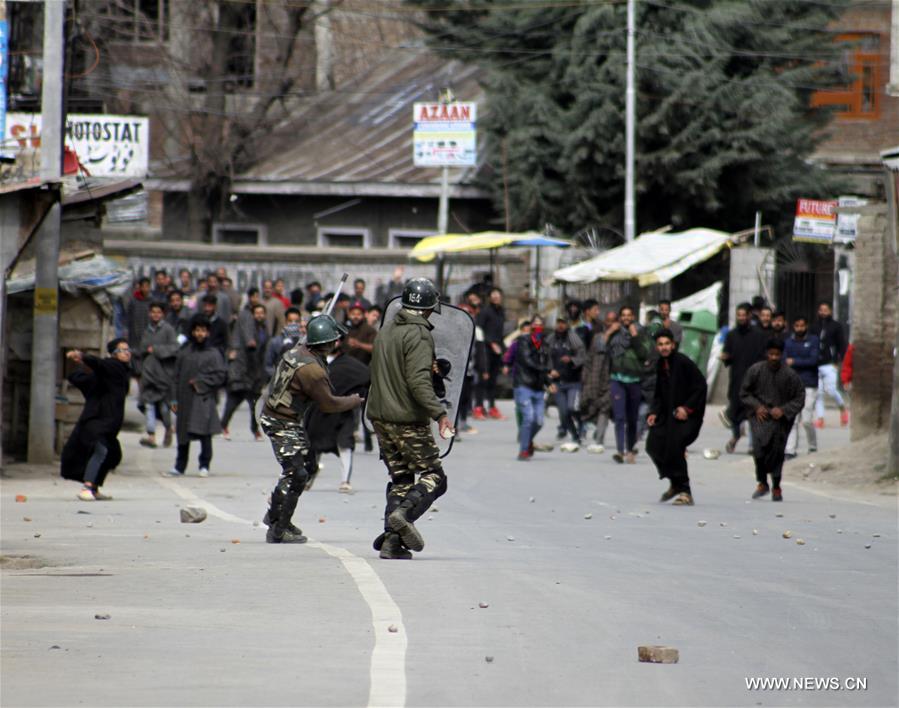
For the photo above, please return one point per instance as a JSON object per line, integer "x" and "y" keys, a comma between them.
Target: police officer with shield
{"x": 402, "y": 403}
{"x": 299, "y": 382}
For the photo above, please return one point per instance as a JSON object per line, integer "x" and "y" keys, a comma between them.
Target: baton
{"x": 330, "y": 308}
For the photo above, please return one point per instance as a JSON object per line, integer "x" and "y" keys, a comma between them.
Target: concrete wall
{"x": 745, "y": 265}
{"x": 298, "y": 266}
{"x": 873, "y": 323}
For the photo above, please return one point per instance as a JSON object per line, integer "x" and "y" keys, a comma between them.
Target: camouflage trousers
{"x": 291, "y": 447}
{"x": 409, "y": 450}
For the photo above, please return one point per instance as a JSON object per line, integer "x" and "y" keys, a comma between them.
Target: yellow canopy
{"x": 428, "y": 248}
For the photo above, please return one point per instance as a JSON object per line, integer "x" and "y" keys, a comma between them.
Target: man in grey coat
{"x": 199, "y": 372}
{"x": 158, "y": 349}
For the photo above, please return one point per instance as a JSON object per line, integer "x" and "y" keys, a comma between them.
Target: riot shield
{"x": 453, "y": 339}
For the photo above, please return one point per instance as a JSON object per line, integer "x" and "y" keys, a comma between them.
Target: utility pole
{"x": 45, "y": 345}
{"x": 446, "y": 96}
{"x": 630, "y": 220}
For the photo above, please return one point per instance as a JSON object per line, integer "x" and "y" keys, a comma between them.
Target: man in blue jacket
{"x": 801, "y": 352}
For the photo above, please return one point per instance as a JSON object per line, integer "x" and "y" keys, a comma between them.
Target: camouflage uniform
{"x": 409, "y": 450}
{"x": 300, "y": 381}
{"x": 291, "y": 448}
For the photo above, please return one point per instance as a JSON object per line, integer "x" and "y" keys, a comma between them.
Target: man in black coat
{"x": 531, "y": 379}
{"x": 334, "y": 432}
{"x": 93, "y": 447}
{"x": 743, "y": 347}
{"x": 492, "y": 321}
{"x": 199, "y": 372}
{"x": 675, "y": 416}
{"x": 773, "y": 395}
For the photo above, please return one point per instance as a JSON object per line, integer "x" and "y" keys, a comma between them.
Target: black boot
{"x": 276, "y": 534}
{"x": 399, "y": 523}
{"x": 393, "y": 549}
{"x": 267, "y": 520}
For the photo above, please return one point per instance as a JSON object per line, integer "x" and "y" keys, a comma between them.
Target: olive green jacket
{"x": 402, "y": 390}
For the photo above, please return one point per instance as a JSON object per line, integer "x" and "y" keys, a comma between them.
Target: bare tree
{"x": 214, "y": 76}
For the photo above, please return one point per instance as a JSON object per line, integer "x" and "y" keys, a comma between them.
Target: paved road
{"x": 196, "y": 619}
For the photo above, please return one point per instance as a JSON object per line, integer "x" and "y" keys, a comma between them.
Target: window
{"x": 407, "y": 238}
{"x": 862, "y": 61}
{"x": 240, "y": 69}
{"x": 240, "y": 234}
{"x": 339, "y": 237}
{"x": 136, "y": 20}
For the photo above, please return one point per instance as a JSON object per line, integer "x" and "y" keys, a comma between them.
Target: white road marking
{"x": 388, "y": 658}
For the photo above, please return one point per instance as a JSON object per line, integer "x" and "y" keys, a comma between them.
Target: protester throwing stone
{"x": 675, "y": 416}
{"x": 401, "y": 407}
{"x": 773, "y": 395}
{"x": 300, "y": 381}
{"x": 199, "y": 372}
{"x": 93, "y": 449}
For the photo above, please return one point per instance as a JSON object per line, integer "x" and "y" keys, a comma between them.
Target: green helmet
{"x": 420, "y": 294}
{"x": 323, "y": 329}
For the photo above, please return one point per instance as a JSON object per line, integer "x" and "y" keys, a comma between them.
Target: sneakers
{"x": 524, "y": 456}
{"x": 844, "y": 418}
{"x": 100, "y": 496}
{"x": 789, "y": 455}
{"x": 731, "y": 446}
{"x": 174, "y": 472}
{"x": 204, "y": 471}
{"x": 669, "y": 495}
{"x": 345, "y": 488}
{"x": 812, "y": 450}
{"x": 630, "y": 458}
{"x": 725, "y": 419}
{"x": 86, "y": 494}
{"x": 479, "y": 413}
{"x": 760, "y": 491}
{"x": 226, "y": 434}
{"x": 596, "y": 449}
{"x": 468, "y": 430}
{"x": 167, "y": 438}
{"x": 619, "y": 458}
{"x": 392, "y": 548}
{"x": 148, "y": 441}
{"x": 495, "y": 414}
{"x": 569, "y": 447}
{"x": 410, "y": 536}
{"x": 683, "y": 499}
{"x": 777, "y": 495}
{"x": 819, "y": 423}
{"x": 542, "y": 447}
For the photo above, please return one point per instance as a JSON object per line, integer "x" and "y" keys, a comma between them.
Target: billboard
{"x": 106, "y": 145}
{"x": 445, "y": 134}
{"x": 815, "y": 220}
{"x": 4, "y": 73}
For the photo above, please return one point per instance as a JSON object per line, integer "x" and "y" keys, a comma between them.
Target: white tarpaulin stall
{"x": 650, "y": 259}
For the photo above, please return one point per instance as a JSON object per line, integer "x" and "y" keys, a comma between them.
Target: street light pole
{"x": 630, "y": 221}
{"x": 45, "y": 335}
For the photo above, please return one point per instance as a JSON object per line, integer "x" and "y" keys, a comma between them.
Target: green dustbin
{"x": 700, "y": 328}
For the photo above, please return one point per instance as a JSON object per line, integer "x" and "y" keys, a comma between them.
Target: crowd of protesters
{"x": 199, "y": 349}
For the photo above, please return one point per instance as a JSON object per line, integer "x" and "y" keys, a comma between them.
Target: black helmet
{"x": 323, "y": 329}
{"x": 420, "y": 294}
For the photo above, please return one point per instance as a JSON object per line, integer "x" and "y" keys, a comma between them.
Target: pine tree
{"x": 723, "y": 119}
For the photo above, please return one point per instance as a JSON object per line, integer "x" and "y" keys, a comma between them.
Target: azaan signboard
{"x": 445, "y": 134}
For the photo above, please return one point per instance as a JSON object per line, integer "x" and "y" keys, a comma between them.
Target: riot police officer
{"x": 300, "y": 381}
{"x": 402, "y": 403}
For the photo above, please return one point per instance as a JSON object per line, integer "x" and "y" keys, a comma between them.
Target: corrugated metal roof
{"x": 363, "y": 132}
